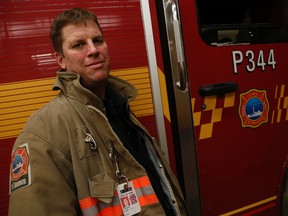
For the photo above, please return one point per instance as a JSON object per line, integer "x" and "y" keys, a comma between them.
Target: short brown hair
{"x": 71, "y": 16}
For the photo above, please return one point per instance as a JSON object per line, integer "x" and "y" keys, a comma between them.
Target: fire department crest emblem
{"x": 20, "y": 175}
{"x": 253, "y": 108}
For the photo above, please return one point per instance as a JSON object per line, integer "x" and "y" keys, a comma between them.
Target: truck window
{"x": 243, "y": 21}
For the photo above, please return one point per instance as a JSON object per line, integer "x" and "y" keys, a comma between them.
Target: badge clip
{"x": 89, "y": 139}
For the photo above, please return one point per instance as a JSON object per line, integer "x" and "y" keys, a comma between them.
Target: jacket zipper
{"x": 162, "y": 170}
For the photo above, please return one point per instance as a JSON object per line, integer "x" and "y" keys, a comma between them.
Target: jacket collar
{"x": 69, "y": 85}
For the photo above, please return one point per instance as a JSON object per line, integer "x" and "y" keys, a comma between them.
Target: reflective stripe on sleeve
{"x": 146, "y": 196}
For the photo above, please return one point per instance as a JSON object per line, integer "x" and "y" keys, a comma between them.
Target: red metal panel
{"x": 5, "y": 150}
{"x": 238, "y": 165}
{"x": 26, "y": 52}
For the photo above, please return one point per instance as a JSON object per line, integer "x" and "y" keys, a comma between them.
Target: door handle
{"x": 182, "y": 83}
{"x": 218, "y": 88}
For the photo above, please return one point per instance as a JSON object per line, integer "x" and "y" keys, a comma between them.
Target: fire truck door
{"x": 227, "y": 86}
{"x": 181, "y": 112}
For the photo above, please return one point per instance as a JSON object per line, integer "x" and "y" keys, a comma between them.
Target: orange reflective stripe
{"x": 87, "y": 202}
{"x": 148, "y": 199}
{"x": 111, "y": 211}
{"x": 141, "y": 182}
{"x": 146, "y": 196}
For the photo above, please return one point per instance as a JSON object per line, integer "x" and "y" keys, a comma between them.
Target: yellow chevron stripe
{"x": 250, "y": 206}
{"x": 163, "y": 89}
{"x": 18, "y": 100}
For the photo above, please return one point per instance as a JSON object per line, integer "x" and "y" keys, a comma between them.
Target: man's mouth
{"x": 96, "y": 64}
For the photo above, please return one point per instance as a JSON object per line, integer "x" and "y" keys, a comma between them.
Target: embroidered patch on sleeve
{"x": 20, "y": 173}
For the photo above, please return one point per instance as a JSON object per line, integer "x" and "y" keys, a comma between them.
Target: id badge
{"x": 128, "y": 199}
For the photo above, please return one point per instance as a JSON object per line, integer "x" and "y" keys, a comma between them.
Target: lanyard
{"x": 115, "y": 160}
{"x": 126, "y": 191}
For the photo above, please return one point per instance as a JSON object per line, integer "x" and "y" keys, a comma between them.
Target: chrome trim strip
{"x": 186, "y": 141}
{"x": 154, "y": 78}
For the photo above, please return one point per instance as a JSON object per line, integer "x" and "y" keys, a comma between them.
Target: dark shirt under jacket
{"x": 130, "y": 136}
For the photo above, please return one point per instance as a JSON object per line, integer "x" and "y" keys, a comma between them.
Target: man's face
{"x": 85, "y": 52}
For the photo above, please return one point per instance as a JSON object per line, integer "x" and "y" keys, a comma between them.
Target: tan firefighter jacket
{"x": 62, "y": 164}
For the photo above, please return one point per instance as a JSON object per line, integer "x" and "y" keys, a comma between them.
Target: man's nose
{"x": 92, "y": 48}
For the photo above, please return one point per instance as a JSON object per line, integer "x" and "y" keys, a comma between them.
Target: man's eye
{"x": 98, "y": 40}
{"x": 77, "y": 45}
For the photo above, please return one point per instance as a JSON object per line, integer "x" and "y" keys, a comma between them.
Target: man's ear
{"x": 60, "y": 60}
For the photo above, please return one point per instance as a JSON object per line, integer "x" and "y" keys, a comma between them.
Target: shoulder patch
{"x": 20, "y": 173}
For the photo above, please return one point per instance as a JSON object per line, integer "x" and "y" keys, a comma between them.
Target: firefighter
{"x": 85, "y": 153}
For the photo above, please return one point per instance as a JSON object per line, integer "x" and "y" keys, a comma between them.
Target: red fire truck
{"x": 212, "y": 78}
